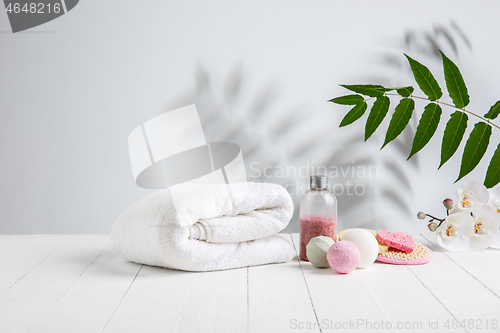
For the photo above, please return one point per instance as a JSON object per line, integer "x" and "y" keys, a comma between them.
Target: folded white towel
{"x": 197, "y": 227}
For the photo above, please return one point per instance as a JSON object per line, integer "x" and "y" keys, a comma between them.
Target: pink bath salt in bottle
{"x": 318, "y": 213}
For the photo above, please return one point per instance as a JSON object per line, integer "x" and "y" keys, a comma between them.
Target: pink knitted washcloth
{"x": 421, "y": 255}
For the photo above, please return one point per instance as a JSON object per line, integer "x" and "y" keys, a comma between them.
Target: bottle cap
{"x": 319, "y": 182}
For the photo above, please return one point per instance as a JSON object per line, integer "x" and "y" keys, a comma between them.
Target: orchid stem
{"x": 435, "y": 218}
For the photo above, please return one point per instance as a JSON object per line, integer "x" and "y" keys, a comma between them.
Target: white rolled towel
{"x": 197, "y": 227}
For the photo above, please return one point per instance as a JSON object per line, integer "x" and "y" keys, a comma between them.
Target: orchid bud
{"x": 432, "y": 226}
{"x": 421, "y": 215}
{"x": 448, "y": 204}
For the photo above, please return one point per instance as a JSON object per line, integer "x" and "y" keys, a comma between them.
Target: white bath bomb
{"x": 367, "y": 245}
{"x": 317, "y": 249}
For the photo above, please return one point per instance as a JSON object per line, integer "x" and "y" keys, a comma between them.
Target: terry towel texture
{"x": 197, "y": 227}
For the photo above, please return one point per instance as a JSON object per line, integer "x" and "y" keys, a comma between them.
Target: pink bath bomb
{"x": 343, "y": 257}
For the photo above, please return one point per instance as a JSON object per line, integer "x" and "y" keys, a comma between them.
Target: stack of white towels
{"x": 197, "y": 227}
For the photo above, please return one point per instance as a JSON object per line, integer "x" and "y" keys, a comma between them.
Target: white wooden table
{"x": 74, "y": 283}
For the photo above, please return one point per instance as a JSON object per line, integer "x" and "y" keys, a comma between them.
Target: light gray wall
{"x": 73, "y": 89}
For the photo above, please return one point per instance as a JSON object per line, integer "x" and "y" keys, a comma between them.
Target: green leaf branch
{"x": 477, "y": 142}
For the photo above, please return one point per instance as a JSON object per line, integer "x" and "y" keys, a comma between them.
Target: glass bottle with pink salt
{"x": 318, "y": 213}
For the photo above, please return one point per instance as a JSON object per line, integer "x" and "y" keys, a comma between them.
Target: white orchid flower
{"x": 495, "y": 197}
{"x": 495, "y": 203}
{"x": 470, "y": 230}
{"x": 473, "y": 223}
{"x": 471, "y": 195}
{"x": 486, "y": 224}
{"x": 454, "y": 234}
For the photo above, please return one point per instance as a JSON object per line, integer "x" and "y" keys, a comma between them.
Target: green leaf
{"x": 494, "y": 111}
{"x": 455, "y": 83}
{"x": 405, "y": 91}
{"x": 453, "y": 134}
{"x": 493, "y": 173}
{"x": 348, "y": 100}
{"x": 356, "y": 112}
{"x": 400, "y": 119}
{"x": 377, "y": 114}
{"x": 371, "y": 90}
{"x": 425, "y": 80}
{"x": 426, "y": 127}
{"x": 474, "y": 150}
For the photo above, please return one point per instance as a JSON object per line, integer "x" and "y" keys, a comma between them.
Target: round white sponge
{"x": 317, "y": 249}
{"x": 366, "y": 243}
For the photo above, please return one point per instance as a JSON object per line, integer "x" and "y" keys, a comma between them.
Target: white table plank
{"x": 278, "y": 298}
{"x": 176, "y": 301}
{"x": 341, "y": 301}
{"x": 73, "y": 283}
{"x": 462, "y": 282}
{"x": 483, "y": 265}
{"x": 215, "y": 300}
{"x": 89, "y": 303}
{"x": 9, "y": 241}
{"x": 23, "y": 256}
{"x": 403, "y": 300}
{"x": 25, "y": 303}
{"x": 153, "y": 302}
